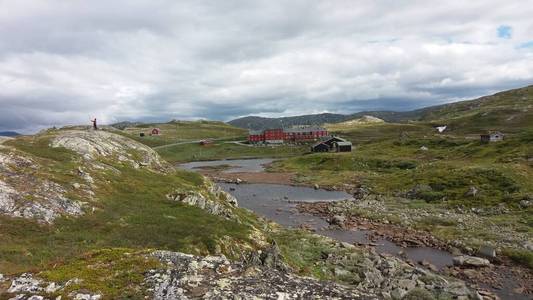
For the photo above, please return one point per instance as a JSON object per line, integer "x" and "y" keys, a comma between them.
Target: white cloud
{"x": 67, "y": 61}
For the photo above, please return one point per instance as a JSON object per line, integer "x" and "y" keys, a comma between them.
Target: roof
{"x": 344, "y": 143}
{"x": 329, "y": 138}
{"x": 255, "y": 132}
{"x": 318, "y": 144}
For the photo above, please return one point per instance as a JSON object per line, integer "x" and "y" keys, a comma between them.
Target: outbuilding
{"x": 495, "y": 136}
{"x": 342, "y": 146}
{"x": 320, "y": 147}
{"x": 155, "y": 131}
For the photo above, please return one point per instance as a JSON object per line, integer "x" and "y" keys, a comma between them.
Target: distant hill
{"x": 509, "y": 110}
{"x": 258, "y": 123}
{"x": 9, "y": 133}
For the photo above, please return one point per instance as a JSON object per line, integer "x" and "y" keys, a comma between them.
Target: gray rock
{"x": 338, "y": 220}
{"x": 472, "y": 192}
{"x": 25, "y": 283}
{"x": 526, "y": 203}
{"x": 487, "y": 251}
{"x": 81, "y": 296}
{"x": 472, "y": 261}
{"x": 529, "y": 245}
{"x": 93, "y": 144}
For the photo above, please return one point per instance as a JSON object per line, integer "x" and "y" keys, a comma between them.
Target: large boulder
{"x": 471, "y": 261}
{"x": 101, "y": 144}
{"x": 213, "y": 199}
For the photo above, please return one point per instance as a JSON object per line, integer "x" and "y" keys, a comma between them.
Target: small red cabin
{"x": 155, "y": 131}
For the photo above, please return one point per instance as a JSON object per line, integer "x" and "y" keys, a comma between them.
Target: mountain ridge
{"x": 507, "y": 104}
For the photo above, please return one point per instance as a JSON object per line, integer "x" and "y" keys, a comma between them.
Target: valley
{"x": 191, "y": 210}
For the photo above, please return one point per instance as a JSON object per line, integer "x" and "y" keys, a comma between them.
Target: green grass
{"x": 524, "y": 257}
{"x": 93, "y": 269}
{"x": 179, "y": 131}
{"x": 221, "y": 150}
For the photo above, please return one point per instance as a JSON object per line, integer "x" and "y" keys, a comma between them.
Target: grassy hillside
{"x": 508, "y": 111}
{"x": 129, "y": 209}
{"x": 179, "y": 131}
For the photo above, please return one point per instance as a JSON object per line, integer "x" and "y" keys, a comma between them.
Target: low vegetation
{"x": 226, "y": 150}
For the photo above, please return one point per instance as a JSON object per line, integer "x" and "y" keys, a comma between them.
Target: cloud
{"x": 66, "y": 62}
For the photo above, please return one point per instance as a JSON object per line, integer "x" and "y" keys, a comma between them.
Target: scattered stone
{"x": 525, "y": 203}
{"x": 487, "y": 251}
{"x": 337, "y": 220}
{"x": 81, "y": 296}
{"x": 428, "y": 265}
{"x": 472, "y": 192}
{"x": 529, "y": 245}
{"x": 472, "y": 261}
{"x": 424, "y": 148}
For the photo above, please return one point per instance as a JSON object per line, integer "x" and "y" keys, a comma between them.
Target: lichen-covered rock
{"x": 25, "y": 283}
{"x": 93, "y": 144}
{"x": 48, "y": 200}
{"x": 213, "y": 199}
{"x": 214, "y": 277}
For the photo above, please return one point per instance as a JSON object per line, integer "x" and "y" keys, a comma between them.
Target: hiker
{"x": 94, "y": 124}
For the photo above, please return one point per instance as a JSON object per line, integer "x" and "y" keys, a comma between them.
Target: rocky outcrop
{"x": 215, "y": 277}
{"x": 29, "y": 287}
{"x": 27, "y": 196}
{"x": 94, "y": 144}
{"x": 213, "y": 200}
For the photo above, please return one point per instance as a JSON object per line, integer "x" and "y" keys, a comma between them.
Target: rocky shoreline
{"x": 489, "y": 272}
{"x": 495, "y": 272}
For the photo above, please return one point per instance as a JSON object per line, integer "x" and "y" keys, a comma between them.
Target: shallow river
{"x": 278, "y": 203}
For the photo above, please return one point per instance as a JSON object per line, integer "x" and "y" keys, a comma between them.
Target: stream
{"x": 277, "y": 202}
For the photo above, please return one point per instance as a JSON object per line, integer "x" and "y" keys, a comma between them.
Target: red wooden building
{"x": 294, "y": 134}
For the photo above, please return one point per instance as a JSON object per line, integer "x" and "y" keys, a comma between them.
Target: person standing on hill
{"x": 95, "y": 127}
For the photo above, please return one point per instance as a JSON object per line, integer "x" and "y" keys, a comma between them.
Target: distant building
{"x": 294, "y": 134}
{"x": 155, "y": 131}
{"x": 342, "y": 146}
{"x": 332, "y": 143}
{"x": 274, "y": 136}
{"x": 494, "y": 136}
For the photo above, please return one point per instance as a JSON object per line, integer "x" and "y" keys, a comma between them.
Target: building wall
{"x": 279, "y": 135}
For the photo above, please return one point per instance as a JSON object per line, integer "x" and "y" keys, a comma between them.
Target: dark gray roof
{"x": 344, "y": 143}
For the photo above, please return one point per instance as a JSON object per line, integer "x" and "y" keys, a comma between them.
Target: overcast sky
{"x": 64, "y": 62}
